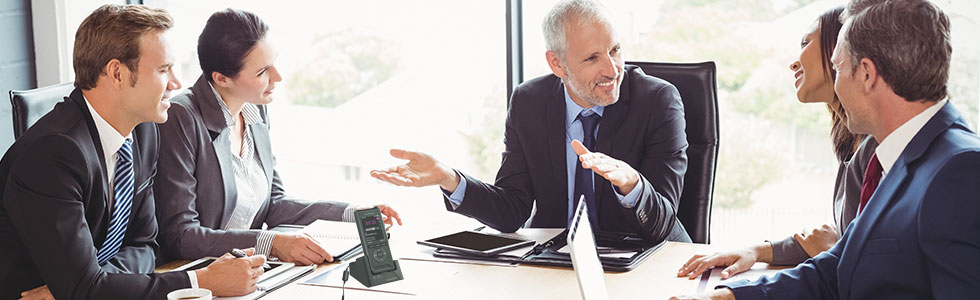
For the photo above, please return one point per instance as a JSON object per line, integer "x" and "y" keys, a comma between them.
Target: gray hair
{"x": 558, "y": 20}
{"x": 907, "y": 40}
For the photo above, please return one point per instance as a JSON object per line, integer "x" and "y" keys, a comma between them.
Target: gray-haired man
{"x": 592, "y": 101}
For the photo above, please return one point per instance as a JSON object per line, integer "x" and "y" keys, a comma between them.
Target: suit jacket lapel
{"x": 555, "y": 139}
{"x": 260, "y": 134}
{"x": 612, "y": 119}
{"x": 886, "y": 193}
{"x": 214, "y": 120}
{"x": 79, "y": 100}
{"x": 137, "y": 180}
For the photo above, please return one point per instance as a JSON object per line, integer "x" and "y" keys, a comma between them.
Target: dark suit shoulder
{"x": 184, "y": 115}
{"x": 536, "y": 91}
{"x": 955, "y": 140}
{"x": 183, "y": 102}
{"x": 64, "y": 127}
{"x": 645, "y": 88}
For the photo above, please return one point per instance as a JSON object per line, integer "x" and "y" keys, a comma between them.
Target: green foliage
{"x": 745, "y": 165}
{"x": 773, "y": 103}
{"x": 346, "y": 64}
{"x": 677, "y": 38}
{"x": 488, "y": 141}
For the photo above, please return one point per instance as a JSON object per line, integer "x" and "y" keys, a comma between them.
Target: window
{"x": 776, "y": 168}
{"x": 361, "y": 77}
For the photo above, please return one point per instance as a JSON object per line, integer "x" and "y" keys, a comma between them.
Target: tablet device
{"x": 476, "y": 243}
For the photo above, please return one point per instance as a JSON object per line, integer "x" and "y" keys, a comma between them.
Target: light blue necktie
{"x": 123, "y": 190}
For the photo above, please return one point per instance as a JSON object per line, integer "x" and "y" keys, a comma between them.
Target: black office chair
{"x": 30, "y": 105}
{"x": 698, "y": 87}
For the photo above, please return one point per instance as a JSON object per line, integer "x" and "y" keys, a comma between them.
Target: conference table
{"x": 428, "y": 278}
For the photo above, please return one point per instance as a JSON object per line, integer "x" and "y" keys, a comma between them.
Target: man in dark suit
{"x": 916, "y": 234}
{"x": 77, "y": 220}
{"x": 635, "y": 122}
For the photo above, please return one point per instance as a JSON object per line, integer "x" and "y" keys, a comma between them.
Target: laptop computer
{"x": 585, "y": 258}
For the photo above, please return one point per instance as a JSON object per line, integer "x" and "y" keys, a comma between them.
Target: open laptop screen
{"x": 585, "y": 259}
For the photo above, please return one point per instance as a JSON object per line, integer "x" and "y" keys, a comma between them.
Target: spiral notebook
{"x": 340, "y": 239}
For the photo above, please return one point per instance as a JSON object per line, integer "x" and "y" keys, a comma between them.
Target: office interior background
{"x": 361, "y": 77}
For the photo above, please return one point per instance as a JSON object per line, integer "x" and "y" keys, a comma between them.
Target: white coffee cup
{"x": 190, "y": 294}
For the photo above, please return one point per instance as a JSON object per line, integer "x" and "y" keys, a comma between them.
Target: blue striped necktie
{"x": 123, "y": 190}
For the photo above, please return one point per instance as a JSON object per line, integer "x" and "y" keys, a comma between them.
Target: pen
{"x": 239, "y": 254}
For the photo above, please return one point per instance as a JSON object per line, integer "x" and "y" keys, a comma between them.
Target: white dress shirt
{"x": 111, "y": 141}
{"x": 251, "y": 181}
{"x": 895, "y": 143}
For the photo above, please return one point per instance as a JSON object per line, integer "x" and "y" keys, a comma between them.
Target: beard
{"x": 586, "y": 91}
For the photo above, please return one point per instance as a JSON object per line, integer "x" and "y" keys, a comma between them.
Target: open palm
{"x": 421, "y": 170}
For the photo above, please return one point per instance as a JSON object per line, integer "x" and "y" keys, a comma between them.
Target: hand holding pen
{"x": 240, "y": 254}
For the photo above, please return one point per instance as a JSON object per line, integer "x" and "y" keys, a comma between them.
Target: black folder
{"x": 547, "y": 253}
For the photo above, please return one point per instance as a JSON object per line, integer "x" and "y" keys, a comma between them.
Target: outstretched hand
{"x": 618, "y": 172}
{"x": 421, "y": 170}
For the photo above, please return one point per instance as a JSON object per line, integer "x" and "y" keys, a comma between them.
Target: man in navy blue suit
{"x": 917, "y": 235}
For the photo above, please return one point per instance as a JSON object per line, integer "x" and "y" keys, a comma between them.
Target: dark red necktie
{"x": 872, "y": 175}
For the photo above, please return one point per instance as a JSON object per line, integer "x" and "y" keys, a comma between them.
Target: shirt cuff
{"x": 192, "y": 275}
{"x": 348, "y": 215}
{"x": 629, "y": 200}
{"x": 263, "y": 244}
{"x": 456, "y": 197}
{"x": 745, "y": 289}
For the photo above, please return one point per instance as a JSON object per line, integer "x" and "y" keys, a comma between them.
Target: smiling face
{"x": 592, "y": 66}
{"x": 257, "y": 79}
{"x": 813, "y": 81}
{"x": 147, "y": 99}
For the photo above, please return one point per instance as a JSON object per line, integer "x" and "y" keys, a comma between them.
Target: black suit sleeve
{"x": 661, "y": 169}
{"x": 46, "y": 197}
{"x": 286, "y": 210}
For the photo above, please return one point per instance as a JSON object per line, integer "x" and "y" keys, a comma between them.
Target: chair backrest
{"x": 30, "y": 105}
{"x": 697, "y": 85}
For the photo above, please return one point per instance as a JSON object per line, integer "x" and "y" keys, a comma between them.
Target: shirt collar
{"x": 250, "y": 112}
{"x": 893, "y": 145}
{"x": 572, "y": 109}
{"x": 109, "y": 137}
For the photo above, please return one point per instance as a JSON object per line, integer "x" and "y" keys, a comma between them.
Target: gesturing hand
{"x": 421, "y": 170}
{"x": 818, "y": 239}
{"x": 38, "y": 293}
{"x": 618, "y": 172}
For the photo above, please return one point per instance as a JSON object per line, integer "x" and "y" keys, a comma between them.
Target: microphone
{"x": 343, "y": 287}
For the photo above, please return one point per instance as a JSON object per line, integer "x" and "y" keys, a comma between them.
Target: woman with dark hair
{"x": 814, "y": 83}
{"x": 216, "y": 184}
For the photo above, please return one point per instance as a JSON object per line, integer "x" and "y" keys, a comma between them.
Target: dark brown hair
{"x": 227, "y": 38}
{"x": 844, "y": 141}
{"x": 113, "y": 31}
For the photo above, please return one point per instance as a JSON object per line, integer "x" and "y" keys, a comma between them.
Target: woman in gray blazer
{"x": 216, "y": 184}
{"x": 814, "y": 83}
